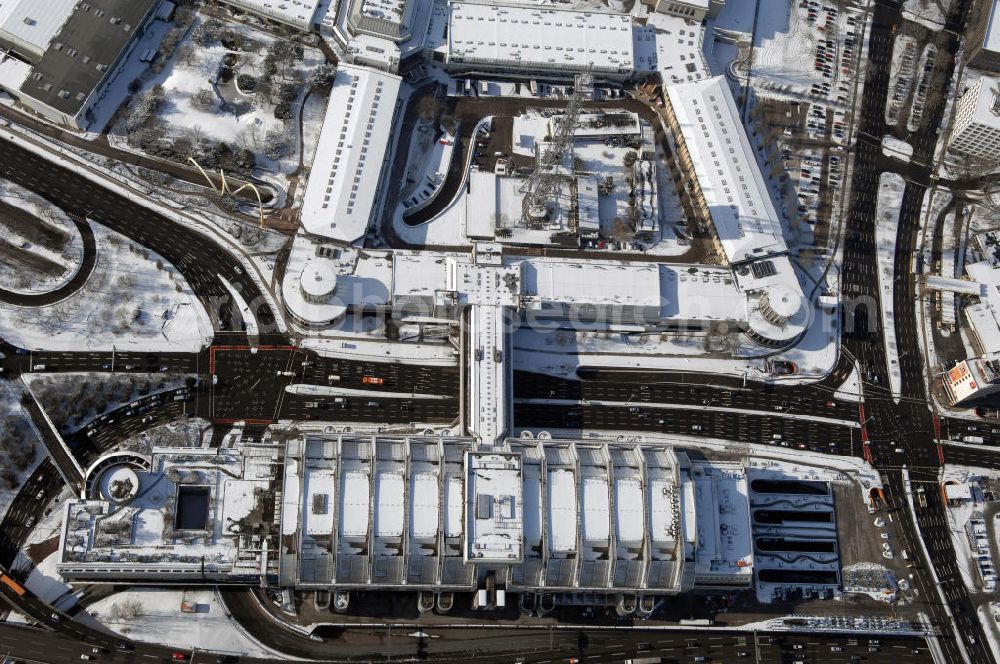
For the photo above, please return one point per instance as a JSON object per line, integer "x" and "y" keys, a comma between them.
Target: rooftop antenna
{"x": 541, "y": 187}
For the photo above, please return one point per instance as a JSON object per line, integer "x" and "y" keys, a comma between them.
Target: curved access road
{"x": 71, "y": 286}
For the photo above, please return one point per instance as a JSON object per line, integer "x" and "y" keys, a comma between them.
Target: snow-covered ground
{"x": 73, "y": 399}
{"x": 788, "y": 41}
{"x": 241, "y": 120}
{"x": 901, "y": 71}
{"x": 64, "y": 254}
{"x": 850, "y": 389}
{"x": 890, "y": 198}
{"x": 187, "y": 432}
{"x": 929, "y": 13}
{"x": 160, "y": 620}
{"x": 133, "y": 300}
{"x": 23, "y": 447}
{"x": 893, "y": 147}
{"x": 968, "y": 529}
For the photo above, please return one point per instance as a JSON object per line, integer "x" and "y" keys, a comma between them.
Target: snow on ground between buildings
{"x": 22, "y": 447}
{"x": 926, "y": 12}
{"x": 893, "y": 147}
{"x": 44, "y": 237}
{"x": 890, "y": 199}
{"x": 960, "y": 513}
{"x": 239, "y": 119}
{"x": 134, "y": 300}
{"x": 162, "y": 621}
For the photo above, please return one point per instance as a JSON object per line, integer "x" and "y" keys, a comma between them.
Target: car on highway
{"x": 178, "y": 656}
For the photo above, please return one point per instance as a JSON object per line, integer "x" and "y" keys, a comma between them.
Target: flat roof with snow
{"x": 691, "y": 293}
{"x": 742, "y": 213}
{"x": 28, "y": 26}
{"x": 987, "y": 100}
{"x": 722, "y": 509}
{"x": 344, "y": 181}
{"x": 190, "y": 516}
{"x": 493, "y": 505}
{"x": 594, "y": 282}
{"x": 299, "y": 13}
{"x": 536, "y": 38}
{"x": 85, "y": 51}
{"x": 991, "y": 40}
{"x": 985, "y": 316}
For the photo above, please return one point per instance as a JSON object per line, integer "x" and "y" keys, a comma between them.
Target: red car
{"x": 179, "y": 656}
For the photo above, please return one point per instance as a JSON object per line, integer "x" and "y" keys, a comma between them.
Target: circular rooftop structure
{"x": 318, "y": 281}
{"x": 781, "y": 302}
{"x": 778, "y": 317}
{"x": 119, "y": 484}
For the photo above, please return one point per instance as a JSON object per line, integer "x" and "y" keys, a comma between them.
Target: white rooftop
{"x": 742, "y": 212}
{"x": 986, "y": 320}
{"x": 594, "y": 282}
{"x": 297, "y": 12}
{"x": 32, "y": 24}
{"x": 991, "y": 40}
{"x": 418, "y": 274}
{"x": 700, "y": 293}
{"x": 344, "y": 180}
{"x": 493, "y": 504}
{"x": 987, "y": 109}
{"x": 13, "y": 72}
{"x": 540, "y": 38}
{"x": 723, "y": 520}
{"x": 154, "y": 528}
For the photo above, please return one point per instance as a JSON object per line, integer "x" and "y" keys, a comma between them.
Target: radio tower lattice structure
{"x": 541, "y": 187}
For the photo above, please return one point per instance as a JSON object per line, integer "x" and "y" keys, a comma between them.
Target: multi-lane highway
{"x": 200, "y": 258}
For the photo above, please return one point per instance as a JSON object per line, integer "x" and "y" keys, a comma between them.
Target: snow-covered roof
{"x": 987, "y": 97}
{"x": 991, "y": 40}
{"x": 723, "y": 520}
{"x": 588, "y": 203}
{"x": 985, "y": 316}
{"x": 299, "y": 13}
{"x": 493, "y": 507}
{"x": 536, "y": 38}
{"x": 13, "y": 72}
{"x": 984, "y": 323}
{"x": 562, "y": 506}
{"x": 30, "y": 24}
{"x": 605, "y": 282}
{"x": 187, "y": 517}
{"x": 387, "y": 10}
{"x": 724, "y": 164}
{"x": 700, "y": 293}
{"x": 348, "y": 277}
{"x": 417, "y": 274}
{"x": 344, "y": 180}
{"x": 671, "y": 47}
{"x": 958, "y": 491}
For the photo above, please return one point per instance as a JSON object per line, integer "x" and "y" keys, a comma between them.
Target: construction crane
{"x": 541, "y": 187}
